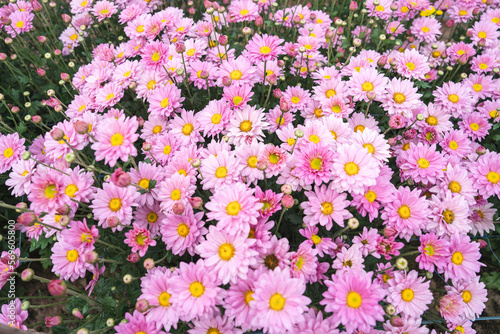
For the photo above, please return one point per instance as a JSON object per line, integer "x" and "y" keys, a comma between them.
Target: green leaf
{"x": 152, "y": 184}
{"x": 21, "y": 128}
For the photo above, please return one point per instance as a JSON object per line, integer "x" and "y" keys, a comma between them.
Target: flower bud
{"x": 272, "y": 79}
{"x": 57, "y": 287}
{"x": 27, "y": 219}
{"x": 40, "y": 72}
{"x": 42, "y": 39}
{"x": 127, "y": 279}
{"x": 76, "y": 312}
{"x": 382, "y": 61}
{"x": 222, "y": 40}
{"x": 26, "y": 155}
{"x": 66, "y": 18}
{"x": 287, "y": 201}
{"x": 196, "y": 163}
{"x": 84, "y": 331}
{"x": 397, "y": 321}
{"x": 353, "y": 223}
{"x": 133, "y": 258}
{"x": 142, "y": 305}
{"x": 91, "y": 257}
{"x": 356, "y": 42}
{"x": 390, "y": 232}
{"x": 64, "y": 220}
{"x": 277, "y": 93}
{"x": 81, "y": 127}
{"x": 180, "y": 47}
{"x": 371, "y": 95}
{"x": 226, "y": 80}
{"x": 286, "y": 189}
{"x": 27, "y": 275}
{"x": 120, "y": 178}
{"x": 284, "y": 105}
{"x": 429, "y": 274}
{"x": 246, "y": 31}
{"x": 57, "y": 52}
{"x": 141, "y": 121}
{"x": 480, "y": 150}
{"x": 353, "y": 6}
{"x": 259, "y": 21}
{"x": 52, "y": 321}
{"x": 110, "y": 322}
{"x": 401, "y": 263}
{"x": 204, "y": 74}
{"x": 178, "y": 208}
{"x": 146, "y": 146}
{"x": 261, "y": 165}
{"x": 191, "y": 10}
{"x": 196, "y": 202}
{"x": 57, "y": 134}
{"x": 25, "y": 305}
{"x": 65, "y": 77}
{"x": 390, "y": 309}
{"x": 149, "y": 264}
{"x": 299, "y": 133}
{"x": 113, "y": 221}
{"x": 410, "y": 134}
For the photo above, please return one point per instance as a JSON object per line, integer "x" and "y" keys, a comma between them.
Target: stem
{"x": 26, "y": 259}
{"x": 279, "y": 221}
{"x": 47, "y": 305}
{"x": 109, "y": 245}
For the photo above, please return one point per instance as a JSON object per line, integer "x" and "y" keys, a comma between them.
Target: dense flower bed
{"x": 251, "y": 166}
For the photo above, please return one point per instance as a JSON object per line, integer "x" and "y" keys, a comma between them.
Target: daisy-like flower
{"x": 237, "y": 96}
{"x": 304, "y": 263}
{"x": 240, "y": 70}
{"x": 104, "y": 9}
{"x": 325, "y": 206}
{"x": 297, "y": 97}
{"x": 422, "y": 163}
{"x": 412, "y": 64}
{"x": 229, "y": 256}
{"x": 80, "y": 235}
{"x": 247, "y": 124}
{"x": 137, "y": 323}
{"x": 401, "y": 98}
{"x": 150, "y": 218}
{"x": 221, "y": 170}
{"x": 435, "y": 117}
{"x": 456, "y": 180}
{"x": 485, "y": 30}
{"x": 139, "y": 239}
{"x": 463, "y": 259}
{"x": 11, "y": 147}
{"x": 20, "y": 177}
{"x": 482, "y": 219}
{"x": 271, "y": 202}
{"x": 196, "y": 289}
{"x": 248, "y": 155}
{"x": 473, "y": 295}
{"x": 165, "y": 100}
{"x": 433, "y": 252}
{"x": 489, "y": 109}
{"x": 475, "y": 125}
{"x": 214, "y": 118}
{"x": 349, "y": 259}
{"x": 314, "y": 163}
{"x": 143, "y": 177}
{"x": 20, "y": 22}
{"x": 354, "y": 301}
{"x": 322, "y": 245}
{"x": 485, "y": 173}
{"x": 426, "y": 29}
{"x": 455, "y": 98}
{"x": 14, "y": 316}
{"x": 264, "y": 48}
{"x": 222, "y": 324}
{"x": 47, "y": 190}
{"x": 114, "y": 201}
{"x": 186, "y": 128}
{"x": 374, "y": 143}
{"x": 78, "y": 186}
{"x": 243, "y": 10}
{"x": 68, "y": 262}
{"x": 406, "y": 212}
{"x": 234, "y": 208}
{"x": 109, "y": 95}
{"x": 176, "y": 189}
{"x": 456, "y": 143}
{"x": 164, "y": 147}
{"x": 367, "y": 80}
{"x": 409, "y": 293}
{"x": 278, "y": 119}
{"x": 354, "y": 169}
{"x": 279, "y": 300}
{"x": 115, "y": 139}
{"x": 182, "y": 233}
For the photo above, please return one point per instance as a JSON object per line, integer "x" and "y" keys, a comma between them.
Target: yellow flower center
{"x": 399, "y": 98}
{"x": 246, "y": 126}
{"x": 19, "y": 24}
{"x": 474, "y": 126}
{"x": 316, "y": 164}
{"x": 86, "y": 237}
{"x": 265, "y": 50}
{"x": 237, "y": 100}
{"x": 410, "y": 66}
{"x": 351, "y": 168}
{"x": 448, "y": 216}
{"x": 453, "y": 145}
{"x": 494, "y": 113}
{"x": 436, "y": 54}
{"x": 197, "y": 289}
{"x": 116, "y": 139}
{"x": 216, "y": 118}
{"x": 157, "y": 129}
{"x": 483, "y": 66}
{"x": 407, "y": 295}
{"x": 315, "y": 139}
{"x": 71, "y": 190}
{"x": 221, "y": 172}
{"x": 183, "y": 230}
{"x": 104, "y": 12}
{"x": 190, "y": 52}
{"x": 354, "y": 300}
{"x": 151, "y": 84}
{"x": 379, "y": 8}
{"x": 248, "y": 297}
{"x": 155, "y": 56}
{"x": 187, "y": 129}
{"x": 226, "y": 251}
{"x": 493, "y": 177}
{"x": 326, "y": 208}
{"x": 330, "y": 93}
{"x": 432, "y": 120}
{"x": 369, "y": 147}
{"x": 300, "y": 263}
{"x": 152, "y": 217}
{"x": 115, "y": 204}
{"x": 295, "y": 99}
{"x": 425, "y": 29}
{"x": 495, "y": 20}
{"x": 462, "y": 12}
{"x": 404, "y": 211}
{"x": 318, "y": 112}
{"x": 213, "y": 330}
{"x": 274, "y": 159}
{"x": 453, "y": 98}
{"x": 164, "y": 299}
{"x": 367, "y": 87}
{"x": 72, "y": 255}
{"x": 243, "y": 12}
{"x": 175, "y": 195}
{"x": 140, "y": 28}
{"x": 252, "y": 161}
{"x": 167, "y": 149}
{"x": 164, "y": 103}
{"x": 8, "y": 152}
{"x": 235, "y": 75}
{"x": 290, "y": 141}
{"x": 481, "y": 34}
{"x": 466, "y": 296}
{"x": 477, "y": 87}
{"x": 51, "y": 191}
{"x": 371, "y": 196}
{"x": 359, "y": 128}
{"x": 144, "y": 183}
{"x": 233, "y": 208}
{"x": 277, "y": 302}
{"x": 25, "y": 173}
{"x": 455, "y": 187}
{"x": 140, "y": 239}
{"x": 429, "y": 250}
{"x": 457, "y": 258}
{"x": 423, "y": 163}
{"x": 315, "y": 239}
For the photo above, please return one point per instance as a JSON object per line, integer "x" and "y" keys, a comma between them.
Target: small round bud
{"x": 196, "y": 163}
{"x": 178, "y": 208}
{"x": 26, "y": 155}
{"x": 142, "y": 305}
{"x": 69, "y": 157}
{"x": 127, "y": 279}
{"x": 353, "y": 223}
{"x": 286, "y": 189}
{"x": 149, "y": 264}
{"x": 25, "y": 305}
{"x": 246, "y": 31}
{"x": 302, "y": 49}
{"x": 401, "y": 263}
{"x": 91, "y": 257}
{"x": 429, "y": 274}
{"x": 133, "y": 258}
{"x": 110, "y": 322}
{"x": 196, "y": 202}
{"x": 48, "y": 55}
{"x": 27, "y": 275}
{"x": 299, "y": 133}
{"x": 57, "y": 287}
{"x": 382, "y": 37}
{"x": 390, "y": 309}
{"x": 27, "y": 118}
{"x": 113, "y": 221}
{"x": 420, "y": 117}
{"x": 287, "y": 201}
{"x": 481, "y": 150}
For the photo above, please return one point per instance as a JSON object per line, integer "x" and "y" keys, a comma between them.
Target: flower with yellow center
{"x": 429, "y": 250}
{"x": 466, "y": 296}
{"x": 252, "y": 161}
{"x": 155, "y": 56}
{"x": 175, "y": 195}
{"x": 316, "y": 163}
{"x": 410, "y": 66}
{"x": 314, "y": 138}
{"x": 482, "y": 34}
{"x": 277, "y": 302}
{"x": 399, "y": 98}
{"x": 432, "y": 120}
{"x": 274, "y": 159}
{"x": 474, "y": 126}
{"x": 8, "y": 152}
{"x": 453, "y": 98}
{"x": 221, "y": 172}
{"x": 246, "y": 126}
{"x": 315, "y": 239}
{"x": 457, "y": 258}
{"x": 182, "y": 230}
{"x": 453, "y": 145}
{"x": 455, "y": 187}
{"x": 404, "y": 211}
{"x": 157, "y": 129}
{"x": 371, "y": 196}
{"x": 233, "y": 208}
{"x": 187, "y": 129}
{"x": 326, "y": 208}
{"x": 51, "y": 191}
{"x": 237, "y": 100}
{"x": 369, "y": 147}
{"x": 351, "y": 168}
{"x": 330, "y": 93}
{"x": 190, "y": 52}
{"x": 295, "y": 99}
{"x": 197, "y": 289}
{"x": 354, "y": 300}
{"x": 407, "y": 295}
{"x": 164, "y": 103}
{"x": 116, "y": 139}
{"x": 115, "y": 204}
{"x": 72, "y": 255}
{"x": 235, "y": 75}
{"x": 367, "y": 87}
{"x": 226, "y": 251}
{"x": 265, "y": 50}
{"x": 71, "y": 190}
{"x": 448, "y": 216}
{"x": 423, "y": 163}
{"x": 493, "y": 177}
{"x": 164, "y": 299}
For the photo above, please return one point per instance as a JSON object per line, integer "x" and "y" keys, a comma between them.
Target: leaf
{"x": 152, "y": 184}
{"x": 15, "y": 95}
{"x": 21, "y": 128}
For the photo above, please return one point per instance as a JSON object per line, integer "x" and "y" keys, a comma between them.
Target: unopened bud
{"x": 149, "y": 264}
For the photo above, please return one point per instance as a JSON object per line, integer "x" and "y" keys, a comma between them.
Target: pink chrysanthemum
{"x": 177, "y": 189}
{"x": 104, "y": 9}
{"x": 349, "y": 259}
{"x": 112, "y": 201}
{"x": 182, "y": 233}
{"x": 264, "y": 48}
{"x": 234, "y": 208}
{"x": 139, "y": 239}
{"x": 80, "y": 235}
{"x": 367, "y": 80}
{"x": 412, "y": 64}
{"x": 11, "y": 147}
{"x": 237, "y": 96}
{"x": 243, "y": 10}
{"x": 473, "y": 294}
{"x": 304, "y": 263}
{"x": 271, "y": 202}
{"x": 321, "y": 245}
{"x": 463, "y": 259}
{"x": 325, "y": 206}
{"x": 450, "y": 215}
{"x": 485, "y": 172}
{"x": 279, "y": 300}
{"x": 475, "y": 125}
{"x": 454, "y": 98}
{"x": 20, "y": 22}
{"x": 354, "y": 301}
{"x": 143, "y": 177}
{"x": 196, "y": 289}
{"x": 165, "y": 100}
{"x": 426, "y": 29}
{"x": 68, "y": 262}
{"x": 137, "y": 323}
{"x": 422, "y": 163}
{"x": 14, "y": 316}
{"x": 163, "y": 148}
{"x": 409, "y": 293}
{"x": 214, "y": 118}
{"x": 240, "y": 71}
{"x": 354, "y": 169}
{"x": 229, "y": 256}
{"x": 47, "y": 190}
{"x": 20, "y": 177}
{"x": 485, "y": 30}
{"x": 314, "y": 163}
{"x": 219, "y": 171}
{"x": 247, "y": 124}
{"x": 456, "y": 143}
{"x": 433, "y": 252}
{"x": 401, "y": 98}
{"x": 150, "y": 218}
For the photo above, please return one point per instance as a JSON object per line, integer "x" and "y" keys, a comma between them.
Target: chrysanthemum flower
{"x": 485, "y": 30}
{"x": 475, "y": 125}
{"x": 349, "y": 259}
{"x": 243, "y": 10}
{"x": 264, "y": 48}
{"x": 456, "y": 180}
{"x": 409, "y": 293}
{"x": 20, "y": 22}
{"x": 68, "y": 262}
{"x": 196, "y": 289}
{"x": 104, "y": 9}
{"x": 401, "y": 98}
{"x": 114, "y": 201}
{"x": 463, "y": 259}
{"x": 434, "y": 251}
{"x": 314, "y": 163}
{"x": 80, "y": 235}
{"x": 240, "y": 71}
{"x": 455, "y": 98}
{"x": 221, "y": 170}
{"x": 237, "y": 96}
{"x": 234, "y": 208}
{"x": 367, "y": 80}
{"x": 164, "y": 147}
{"x": 247, "y": 124}
{"x": 321, "y": 245}
{"x": 296, "y": 97}
{"x": 115, "y": 140}
{"x": 78, "y": 186}
{"x": 214, "y": 118}
{"x": 137, "y": 323}
{"x": 304, "y": 263}
{"x": 412, "y": 64}
{"x": 473, "y": 294}
{"x": 176, "y": 189}
{"x": 47, "y": 190}
{"x": 279, "y": 300}
{"x": 227, "y": 255}
{"x": 422, "y": 163}
{"x": 354, "y": 169}
{"x": 406, "y": 212}
{"x": 150, "y": 218}
{"x": 276, "y": 255}
{"x": 20, "y": 177}
{"x": 12, "y": 147}
{"x": 354, "y": 301}
{"x": 426, "y": 29}
{"x": 456, "y": 143}
{"x": 165, "y": 100}
{"x": 325, "y": 206}
{"x": 214, "y": 323}
{"x": 248, "y": 154}
{"x": 14, "y": 316}
{"x": 485, "y": 172}
{"x": 139, "y": 239}
{"x": 482, "y": 219}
